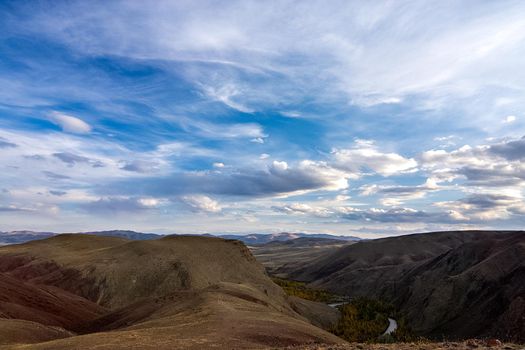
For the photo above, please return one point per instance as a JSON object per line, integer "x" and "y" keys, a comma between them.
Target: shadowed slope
{"x": 457, "y": 284}
{"x": 44, "y": 304}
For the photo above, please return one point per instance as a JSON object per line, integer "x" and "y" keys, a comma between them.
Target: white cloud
{"x": 341, "y": 197}
{"x": 257, "y": 140}
{"x": 365, "y": 156}
{"x": 149, "y": 202}
{"x": 211, "y": 130}
{"x": 398, "y": 195}
{"x": 279, "y": 165}
{"x": 485, "y": 206}
{"x": 225, "y": 94}
{"x": 70, "y": 123}
{"x": 509, "y": 119}
{"x": 291, "y": 114}
{"x": 218, "y": 165}
{"x": 303, "y": 209}
{"x": 201, "y": 203}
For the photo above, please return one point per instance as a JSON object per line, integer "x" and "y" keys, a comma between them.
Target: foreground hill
{"x": 452, "y": 284}
{"x": 177, "y": 292}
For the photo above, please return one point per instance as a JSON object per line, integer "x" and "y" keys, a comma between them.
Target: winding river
{"x": 392, "y": 324}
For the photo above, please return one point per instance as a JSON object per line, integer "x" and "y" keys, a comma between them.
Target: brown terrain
{"x": 278, "y": 257}
{"x": 189, "y": 292}
{"x": 178, "y": 292}
{"x": 455, "y": 285}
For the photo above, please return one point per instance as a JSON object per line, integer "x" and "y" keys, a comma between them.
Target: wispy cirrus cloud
{"x": 288, "y": 115}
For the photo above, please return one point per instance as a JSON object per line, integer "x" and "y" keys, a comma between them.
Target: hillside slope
{"x": 453, "y": 284}
{"x": 176, "y": 292}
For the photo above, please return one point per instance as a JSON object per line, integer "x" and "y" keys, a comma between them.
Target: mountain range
{"x": 14, "y": 237}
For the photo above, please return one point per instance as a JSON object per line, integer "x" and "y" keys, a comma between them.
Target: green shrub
{"x": 299, "y": 289}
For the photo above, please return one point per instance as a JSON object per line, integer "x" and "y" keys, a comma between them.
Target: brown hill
{"x": 452, "y": 284}
{"x": 175, "y": 292}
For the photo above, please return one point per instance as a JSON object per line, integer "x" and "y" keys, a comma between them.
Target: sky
{"x": 363, "y": 118}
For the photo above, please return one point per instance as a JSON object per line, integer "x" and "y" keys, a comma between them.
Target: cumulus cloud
{"x": 401, "y": 215}
{"x": 365, "y": 156}
{"x": 70, "y": 123}
{"x": 397, "y": 195}
{"x": 201, "y": 203}
{"x": 511, "y": 150}
{"x": 496, "y": 165}
{"x": 277, "y": 179}
{"x": 486, "y": 206}
{"x": 302, "y": 208}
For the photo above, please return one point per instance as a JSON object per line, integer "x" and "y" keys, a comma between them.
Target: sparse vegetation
{"x": 299, "y": 289}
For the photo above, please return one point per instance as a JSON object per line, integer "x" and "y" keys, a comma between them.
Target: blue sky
{"x": 352, "y": 117}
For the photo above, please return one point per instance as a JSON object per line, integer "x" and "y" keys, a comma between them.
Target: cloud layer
{"x": 350, "y": 117}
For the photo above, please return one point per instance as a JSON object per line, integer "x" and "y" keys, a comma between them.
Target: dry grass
{"x": 172, "y": 293}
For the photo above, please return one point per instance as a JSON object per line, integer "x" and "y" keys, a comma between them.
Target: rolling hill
{"x": 183, "y": 292}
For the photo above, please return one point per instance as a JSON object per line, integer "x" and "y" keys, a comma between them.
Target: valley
{"x": 198, "y": 292}
{"x": 456, "y": 285}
